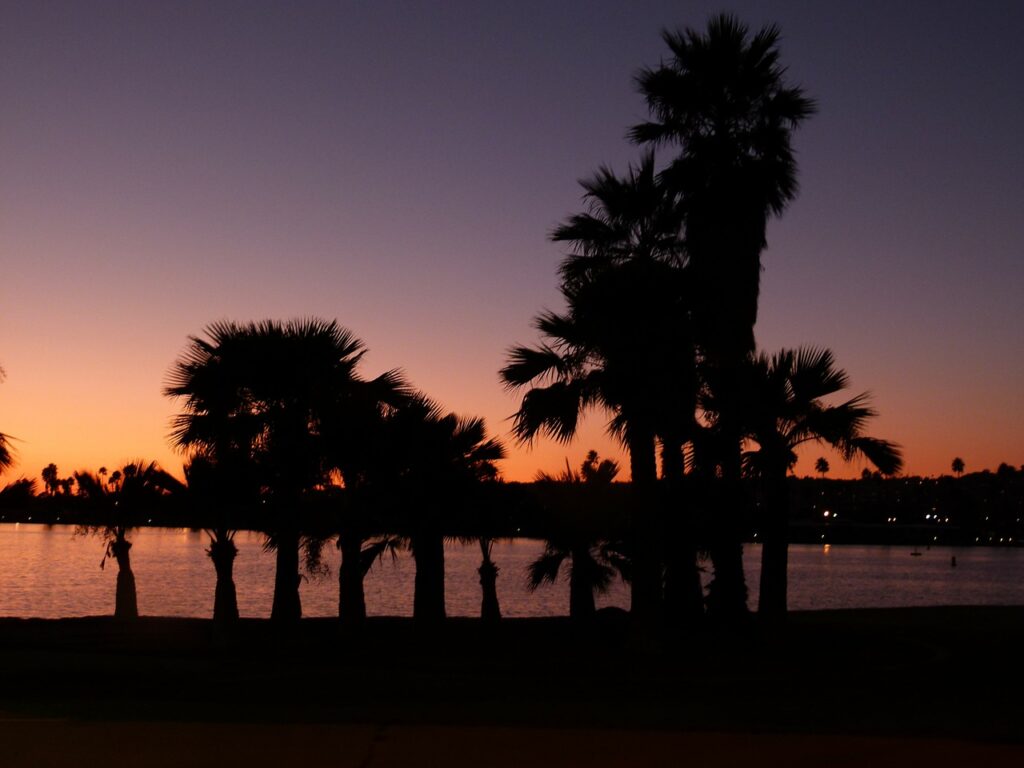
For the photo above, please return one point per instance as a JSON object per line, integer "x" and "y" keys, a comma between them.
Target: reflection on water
{"x": 50, "y": 572}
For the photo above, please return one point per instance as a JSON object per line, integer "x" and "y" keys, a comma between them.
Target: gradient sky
{"x": 398, "y": 166}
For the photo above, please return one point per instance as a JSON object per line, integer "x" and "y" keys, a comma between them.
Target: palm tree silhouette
{"x": 270, "y": 391}
{"x": 722, "y": 99}
{"x": 958, "y": 466}
{"x": 121, "y": 507}
{"x": 50, "y": 479}
{"x": 442, "y": 461}
{"x": 623, "y": 346}
{"x": 363, "y": 538}
{"x": 222, "y": 493}
{"x": 579, "y": 524}
{"x": 362, "y": 449}
{"x": 784, "y": 409}
{"x": 821, "y": 466}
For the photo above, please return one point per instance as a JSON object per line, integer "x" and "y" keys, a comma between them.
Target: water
{"x": 50, "y": 572}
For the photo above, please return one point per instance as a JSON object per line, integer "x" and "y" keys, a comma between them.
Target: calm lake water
{"x": 50, "y": 572}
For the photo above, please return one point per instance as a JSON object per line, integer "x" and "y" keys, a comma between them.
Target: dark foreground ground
{"x": 942, "y": 686}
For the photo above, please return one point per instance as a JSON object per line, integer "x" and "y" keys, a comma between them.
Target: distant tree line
{"x": 980, "y": 508}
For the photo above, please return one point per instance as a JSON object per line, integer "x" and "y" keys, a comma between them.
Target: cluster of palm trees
{"x": 277, "y": 416}
{"x": 661, "y": 284}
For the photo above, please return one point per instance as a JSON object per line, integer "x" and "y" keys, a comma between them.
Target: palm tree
{"x": 221, "y": 492}
{"x": 821, "y": 466}
{"x": 958, "y": 466}
{"x": 578, "y": 528}
{"x": 362, "y": 516}
{"x": 784, "y": 410}
{"x": 637, "y": 219}
{"x": 443, "y": 461}
{"x": 623, "y": 346}
{"x": 50, "y": 479}
{"x": 361, "y": 447}
{"x": 121, "y": 507}
{"x": 722, "y": 99}
{"x": 271, "y": 392}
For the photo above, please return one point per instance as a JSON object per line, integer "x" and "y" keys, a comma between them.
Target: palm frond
{"x": 544, "y": 570}
{"x": 531, "y": 364}
{"x": 885, "y": 455}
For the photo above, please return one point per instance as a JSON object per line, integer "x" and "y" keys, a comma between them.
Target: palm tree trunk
{"x": 646, "y": 593}
{"x": 287, "y": 607}
{"x": 428, "y": 596}
{"x": 775, "y": 550}
{"x": 490, "y": 610}
{"x": 725, "y": 233}
{"x": 351, "y": 596}
{"x": 225, "y": 599}
{"x": 125, "y": 600}
{"x": 727, "y": 592}
{"x": 684, "y": 595}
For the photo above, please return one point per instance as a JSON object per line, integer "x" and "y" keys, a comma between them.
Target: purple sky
{"x": 398, "y": 166}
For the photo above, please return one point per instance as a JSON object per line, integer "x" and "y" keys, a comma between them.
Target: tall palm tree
{"x": 785, "y": 409}
{"x": 623, "y": 346}
{"x": 722, "y": 100}
{"x": 957, "y": 466}
{"x": 121, "y": 506}
{"x": 270, "y": 391}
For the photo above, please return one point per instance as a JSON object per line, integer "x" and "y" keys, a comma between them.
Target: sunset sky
{"x": 398, "y": 166}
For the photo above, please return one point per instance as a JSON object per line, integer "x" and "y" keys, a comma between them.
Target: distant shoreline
{"x": 852, "y": 534}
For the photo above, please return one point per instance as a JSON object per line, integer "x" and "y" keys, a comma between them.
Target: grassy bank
{"x": 933, "y": 672}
